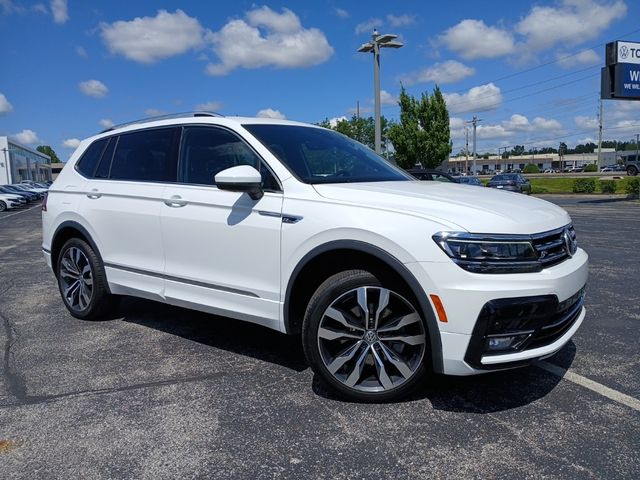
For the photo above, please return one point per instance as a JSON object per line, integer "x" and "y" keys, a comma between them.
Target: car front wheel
{"x": 632, "y": 171}
{"x": 364, "y": 338}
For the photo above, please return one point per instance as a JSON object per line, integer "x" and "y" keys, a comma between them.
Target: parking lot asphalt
{"x": 163, "y": 392}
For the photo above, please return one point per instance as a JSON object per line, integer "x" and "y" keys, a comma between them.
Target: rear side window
{"x": 206, "y": 151}
{"x": 147, "y": 155}
{"x": 105, "y": 163}
{"x": 91, "y": 157}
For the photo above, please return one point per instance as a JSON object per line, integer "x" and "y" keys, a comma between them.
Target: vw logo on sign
{"x": 570, "y": 244}
{"x": 624, "y": 51}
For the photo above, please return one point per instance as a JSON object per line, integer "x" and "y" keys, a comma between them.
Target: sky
{"x": 529, "y": 70}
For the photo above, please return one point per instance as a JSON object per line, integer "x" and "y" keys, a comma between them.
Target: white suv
{"x": 303, "y": 230}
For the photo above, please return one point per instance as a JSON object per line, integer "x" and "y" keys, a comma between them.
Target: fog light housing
{"x": 506, "y": 342}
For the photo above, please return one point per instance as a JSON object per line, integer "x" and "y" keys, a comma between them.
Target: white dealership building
{"x": 18, "y": 163}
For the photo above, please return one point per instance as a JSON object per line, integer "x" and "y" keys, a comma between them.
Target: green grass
{"x": 560, "y": 185}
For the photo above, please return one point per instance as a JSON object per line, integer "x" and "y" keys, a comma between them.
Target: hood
{"x": 476, "y": 210}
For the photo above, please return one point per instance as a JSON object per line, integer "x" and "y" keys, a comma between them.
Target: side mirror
{"x": 243, "y": 178}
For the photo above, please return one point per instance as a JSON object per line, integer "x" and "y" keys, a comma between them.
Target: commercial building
{"x": 551, "y": 161}
{"x": 18, "y": 163}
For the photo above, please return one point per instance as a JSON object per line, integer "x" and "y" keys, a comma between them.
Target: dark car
{"x": 10, "y": 189}
{"x": 435, "y": 175}
{"x": 512, "y": 182}
{"x": 470, "y": 181}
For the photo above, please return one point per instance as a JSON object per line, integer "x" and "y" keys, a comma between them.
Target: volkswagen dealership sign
{"x": 620, "y": 79}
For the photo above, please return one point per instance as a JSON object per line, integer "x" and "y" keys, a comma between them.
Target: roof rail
{"x": 163, "y": 117}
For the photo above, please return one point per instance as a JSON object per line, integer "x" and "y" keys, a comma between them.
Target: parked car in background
{"x": 512, "y": 182}
{"x": 15, "y": 189}
{"x": 632, "y": 167}
{"x": 470, "y": 181}
{"x": 28, "y": 196}
{"x": 435, "y": 175}
{"x": 8, "y": 202}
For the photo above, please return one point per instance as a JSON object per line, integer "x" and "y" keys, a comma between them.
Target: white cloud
{"x": 106, "y": 123}
{"x": 39, "y": 8}
{"x": 334, "y": 121}
{"x": 151, "y": 39}
{"x": 570, "y": 23}
{"x": 586, "y": 123}
{"x": 477, "y": 99}
{"x": 26, "y": 137}
{"x": 541, "y": 123}
{"x": 81, "y": 52}
{"x": 585, "y": 57}
{"x": 368, "y": 25}
{"x": 270, "y": 113}
{"x": 267, "y": 38}
{"x": 59, "y": 11}
{"x": 450, "y": 71}
{"x": 387, "y": 99}
{"x": 209, "y": 106}
{"x": 5, "y": 106}
{"x": 401, "y": 20}
{"x": 342, "y": 13}
{"x": 154, "y": 112}
{"x": 474, "y": 39}
{"x": 71, "y": 143}
{"x": 93, "y": 88}
{"x": 517, "y": 122}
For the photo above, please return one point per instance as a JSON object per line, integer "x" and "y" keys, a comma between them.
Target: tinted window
{"x": 105, "y": 162}
{"x": 91, "y": 156}
{"x": 206, "y": 151}
{"x": 440, "y": 178}
{"x": 318, "y": 155}
{"x": 147, "y": 155}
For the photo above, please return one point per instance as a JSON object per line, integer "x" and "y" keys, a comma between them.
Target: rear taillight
{"x": 44, "y": 202}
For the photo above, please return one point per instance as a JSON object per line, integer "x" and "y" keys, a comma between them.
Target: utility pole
{"x": 357, "y": 108}
{"x": 600, "y": 134}
{"x": 377, "y": 42}
{"x": 466, "y": 149}
{"x": 637, "y": 141}
{"x": 474, "y": 122}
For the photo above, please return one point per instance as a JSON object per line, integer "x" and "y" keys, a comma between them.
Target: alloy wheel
{"x": 76, "y": 279}
{"x": 371, "y": 339}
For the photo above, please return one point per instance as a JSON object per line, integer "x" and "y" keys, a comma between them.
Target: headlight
{"x": 490, "y": 254}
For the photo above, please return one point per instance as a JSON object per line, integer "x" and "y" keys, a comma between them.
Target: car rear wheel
{"x": 632, "y": 171}
{"x": 82, "y": 281}
{"x": 364, "y": 338}
{"x": 3, "y": 206}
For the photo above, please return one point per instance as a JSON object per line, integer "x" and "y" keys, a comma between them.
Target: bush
{"x": 633, "y": 186}
{"x": 592, "y": 167}
{"x": 531, "y": 168}
{"x": 584, "y": 185}
{"x": 608, "y": 186}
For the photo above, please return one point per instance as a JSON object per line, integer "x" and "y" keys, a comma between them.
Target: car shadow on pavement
{"x": 487, "y": 393}
{"x": 215, "y": 331}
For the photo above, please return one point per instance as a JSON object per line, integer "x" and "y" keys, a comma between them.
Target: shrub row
{"x": 588, "y": 185}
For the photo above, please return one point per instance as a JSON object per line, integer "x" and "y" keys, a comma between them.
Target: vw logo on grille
{"x": 570, "y": 245}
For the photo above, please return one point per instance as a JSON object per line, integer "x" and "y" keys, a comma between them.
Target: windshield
{"x": 318, "y": 155}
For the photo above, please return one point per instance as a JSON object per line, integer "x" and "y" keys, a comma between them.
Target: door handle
{"x": 175, "y": 201}
{"x": 94, "y": 193}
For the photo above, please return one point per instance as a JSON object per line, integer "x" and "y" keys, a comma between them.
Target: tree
{"x": 47, "y": 150}
{"x": 423, "y": 135}
{"x": 531, "y": 168}
{"x": 361, "y": 129}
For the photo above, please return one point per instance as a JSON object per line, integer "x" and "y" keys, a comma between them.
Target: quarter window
{"x": 91, "y": 157}
{"x": 147, "y": 155}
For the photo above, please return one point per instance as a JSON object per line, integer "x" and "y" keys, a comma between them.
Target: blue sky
{"x": 529, "y": 70}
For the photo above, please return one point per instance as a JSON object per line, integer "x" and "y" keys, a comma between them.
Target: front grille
{"x": 536, "y": 321}
{"x": 551, "y": 246}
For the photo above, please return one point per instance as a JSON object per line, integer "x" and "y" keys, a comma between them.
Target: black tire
{"x": 3, "y": 206}
{"x": 100, "y": 299}
{"x": 332, "y": 290}
{"x": 632, "y": 171}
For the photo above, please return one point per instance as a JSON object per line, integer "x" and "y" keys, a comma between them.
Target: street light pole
{"x": 377, "y": 42}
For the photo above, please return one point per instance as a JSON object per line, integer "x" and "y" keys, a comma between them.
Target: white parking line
{"x": 610, "y": 393}
{"x": 21, "y": 211}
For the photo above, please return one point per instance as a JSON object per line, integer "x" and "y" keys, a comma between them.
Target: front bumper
{"x": 465, "y": 294}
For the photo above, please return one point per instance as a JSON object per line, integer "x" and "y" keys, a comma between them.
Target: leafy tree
{"x": 423, "y": 135}
{"x": 361, "y": 129}
{"x": 592, "y": 167}
{"x": 47, "y": 150}
{"x": 531, "y": 168}
{"x": 517, "y": 150}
